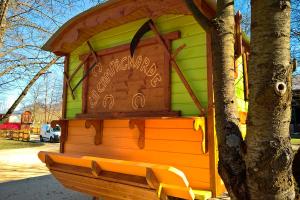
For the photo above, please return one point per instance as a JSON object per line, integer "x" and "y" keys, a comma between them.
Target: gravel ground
{"x": 24, "y": 177}
{"x": 38, "y": 188}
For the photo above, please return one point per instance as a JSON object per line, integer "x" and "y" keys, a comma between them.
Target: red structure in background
{"x": 10, "y": 126}
{"x": 20, "y": 122}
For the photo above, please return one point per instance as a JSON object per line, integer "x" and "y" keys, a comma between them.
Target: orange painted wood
{"x": 102, "y": 188}
{"x": 151, "y": 133}
{"x": 98, "y": 129}
{"x": 159, "y": 157}
{"x": 150, "y": 123}
{"x": 173, "y": 180}
{"x": 150, "y": 145}
{"x": 243, "y": 117}
{"x": 215, "y": 180}
{"x": 169, "y": 141}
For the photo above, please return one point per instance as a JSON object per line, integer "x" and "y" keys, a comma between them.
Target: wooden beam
{"x": 98, "y": 125}
{"x": 129, "y": 115}
{"x": 140, "y": 124}
{"x": 238, "y": 34}
{"x": 65, "y": 89}
{"x": 246, "y": 81}
{"x": 215, "y": 185}
{"x": 92, "y": 51}
{"x": 161, "y": 40}
{"x": 68, "y": 83}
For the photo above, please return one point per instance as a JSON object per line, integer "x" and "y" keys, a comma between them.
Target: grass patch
{"x": 11, "y": 144}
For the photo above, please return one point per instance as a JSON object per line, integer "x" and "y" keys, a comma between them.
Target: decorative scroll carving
{"x": 140, "y": 124}
{"x": 64, "y": 132}
{"x": 199, "y": 124}
{"x": 98, "y": 125}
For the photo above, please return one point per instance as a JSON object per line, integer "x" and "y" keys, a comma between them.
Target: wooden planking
{"x": 166, "y": 158}
{"x": 193, "y": 74}
{"x": 150, "y": 145}
{"x": 192, "y": 63}
{"x": 190, "y": 58}
{"x": 97, "y": 187}
{"x": 182, "y": 98}
{"x": 195, "y": 167}
{"x": 181, "y": 138}
{"x": 151, "y": 133}
{"x": 165, "y": 173}
{"x": 178, "y": 88}
{"x": 181, "y": 123}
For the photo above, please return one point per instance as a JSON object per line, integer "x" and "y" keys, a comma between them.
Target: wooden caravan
{"x": 138, "y": 116}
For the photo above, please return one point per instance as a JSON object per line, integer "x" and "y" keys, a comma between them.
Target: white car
{"x": 50, "y": 134}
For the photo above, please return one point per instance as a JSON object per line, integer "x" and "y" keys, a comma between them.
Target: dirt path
{"x": 24, "y": 177}
{"x": 16, "y": 164}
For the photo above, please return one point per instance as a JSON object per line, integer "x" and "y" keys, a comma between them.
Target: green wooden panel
{"x": 179, "y": 87}
{"x": 190, "y": 75}
{"x": 239, "y": 87}
{"x": 186, "y": 109}
{"x": 192, "y": 59}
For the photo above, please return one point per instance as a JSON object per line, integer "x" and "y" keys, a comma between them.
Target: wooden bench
{"x": 117, "y": 179}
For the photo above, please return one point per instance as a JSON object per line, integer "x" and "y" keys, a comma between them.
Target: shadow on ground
{"x": 43, "y": 187}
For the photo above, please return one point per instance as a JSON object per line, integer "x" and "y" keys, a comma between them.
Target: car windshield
{"x": 56, "y": 129}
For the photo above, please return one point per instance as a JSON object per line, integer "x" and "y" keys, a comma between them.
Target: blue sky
{"x": 9, "y": 95}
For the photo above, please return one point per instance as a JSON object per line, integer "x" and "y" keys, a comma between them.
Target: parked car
{"x": 49, "y": 134}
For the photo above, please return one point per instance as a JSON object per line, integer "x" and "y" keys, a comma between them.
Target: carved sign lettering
{"x": 121, "y": 83}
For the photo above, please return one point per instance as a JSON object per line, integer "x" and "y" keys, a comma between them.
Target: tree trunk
{"x": 231, "y": 164}
{"x": 269, "y": 153}
{"x": 296, "y": 173}
{"x": 230, "y": 143}
{"x": 26, "y": 89}
{"x": 3, "y": 11}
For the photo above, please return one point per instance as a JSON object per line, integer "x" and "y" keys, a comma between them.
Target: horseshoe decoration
{"x": 108, "y": 102}
{"x": 97, "y": 69}
{"x": 138, "y": 101}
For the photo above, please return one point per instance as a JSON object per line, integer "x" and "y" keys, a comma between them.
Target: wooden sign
{"x": 124, "y": 84}
{"x": 26, "y": 117}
